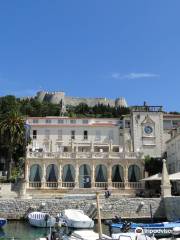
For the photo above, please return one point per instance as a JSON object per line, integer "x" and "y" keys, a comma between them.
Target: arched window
{"x": 101, "y": 173}
{"x": 52, "y": 173}
{"x": 133, "y": 173}
{"x": 68, "y": 173}
{"x": 35, "y": 173}
{"x": 84, "y": 176}
{"x": 117, "y": 173}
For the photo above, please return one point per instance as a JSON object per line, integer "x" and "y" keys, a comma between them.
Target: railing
{"x": 52, "y": 184}
{"x": 86, "y": 155}
{"x": 34, "y": 184}
{"x": 68, "y": 184}
{"x": 118, "y": 185}
{"x": 101, "y": 184}
{"x": 134, "y": 185}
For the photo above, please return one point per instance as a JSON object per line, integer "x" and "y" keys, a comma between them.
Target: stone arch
{"x": 52, "y": 173}
{"x": 68, "y": 173}
{"x": 101, "y": 173}
{"x": 84, "y": 176}
{"x": 134, "y": 173}
{"x": 35, "y": 173}
{"x": 117, "y": 173}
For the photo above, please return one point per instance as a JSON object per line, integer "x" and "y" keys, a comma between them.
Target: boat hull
{"x": 75, "y": 218}
{"x": 38, "y": 219}
{"x": 79, "y": 224}
{"x": 3, "y": 222}
{"x": 157, "y": 229}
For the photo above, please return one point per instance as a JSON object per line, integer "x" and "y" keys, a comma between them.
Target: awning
{"x": 154, "y": 177}
{"x": 158, "y": 176}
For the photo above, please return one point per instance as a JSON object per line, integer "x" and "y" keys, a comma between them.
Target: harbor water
{"x": 22, "y": 230}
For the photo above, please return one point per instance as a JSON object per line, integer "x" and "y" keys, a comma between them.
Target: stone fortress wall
{"x": 58, "y": 97}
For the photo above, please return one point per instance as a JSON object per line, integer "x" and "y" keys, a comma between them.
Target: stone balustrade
{"x": 83, "y": 155}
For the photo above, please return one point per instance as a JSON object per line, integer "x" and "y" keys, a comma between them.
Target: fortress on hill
{"x": 60, "y": 98}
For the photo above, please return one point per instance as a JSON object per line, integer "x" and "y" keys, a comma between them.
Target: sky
{"x": 92, "y": 48}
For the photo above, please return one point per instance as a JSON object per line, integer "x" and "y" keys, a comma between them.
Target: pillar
{"x": 110, "y": 176}
{"x": 44, "y": 176}
{"x": 126, "y": 176}
{"x": 93, "y": 176}
{"x": 77, "y": 176}
{"x": 27, "y": 173}
{"x": 60, "y": 177}
{"x": 92, "y": 146}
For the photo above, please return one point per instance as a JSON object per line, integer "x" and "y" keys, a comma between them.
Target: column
{"x": 27, "y": 174}
{"x": 44, "y": 176}
{"x": 92, "y": 146}
{"x": 109, "y": 176}
{"x": 93, "y": 176}
{"x": 77, "y": 176}
{"x": 60, "y": 176}
{"x": 126, "y": 176}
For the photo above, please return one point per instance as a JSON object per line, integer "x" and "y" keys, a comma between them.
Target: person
{"x": 107, "y": 193}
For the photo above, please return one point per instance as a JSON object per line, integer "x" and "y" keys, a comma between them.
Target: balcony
{"x": 83, "y": 155}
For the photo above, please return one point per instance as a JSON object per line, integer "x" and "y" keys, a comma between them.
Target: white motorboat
{"x": 77, "y": 219}
{"x": 138, "y": 234}
{"x": 84, "y": 235}
{"x": 40, "y": 219}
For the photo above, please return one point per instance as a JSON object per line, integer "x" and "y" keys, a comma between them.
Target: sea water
{"x": 22, "y": 230}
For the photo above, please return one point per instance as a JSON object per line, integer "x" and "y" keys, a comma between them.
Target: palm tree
{"x": 12, "y": 135}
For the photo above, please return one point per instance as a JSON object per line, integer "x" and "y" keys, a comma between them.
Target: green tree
{"x": 12, "y": 135}
{"x": 153, "y": 165}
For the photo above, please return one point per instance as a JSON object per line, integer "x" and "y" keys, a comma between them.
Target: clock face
{"x": 148, "y": 129}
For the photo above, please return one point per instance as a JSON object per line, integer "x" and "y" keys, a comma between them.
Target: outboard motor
{"x": 126, "y": 226}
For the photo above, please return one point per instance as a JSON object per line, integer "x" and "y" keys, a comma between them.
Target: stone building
{"x": 64, "y": 101}
{"x": 95, "y": 153}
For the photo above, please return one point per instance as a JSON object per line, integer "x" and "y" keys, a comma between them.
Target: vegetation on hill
{"x": 33, "y": 108}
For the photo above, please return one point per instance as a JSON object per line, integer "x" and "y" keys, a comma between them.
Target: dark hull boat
{"x": 157, "y": 229}
{"x": 3, "y": 222}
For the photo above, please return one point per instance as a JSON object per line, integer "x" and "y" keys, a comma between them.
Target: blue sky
{"x": 92, "y": 48}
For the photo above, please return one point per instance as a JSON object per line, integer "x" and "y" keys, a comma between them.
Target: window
{"x": 85, "y": 121}
{"x": 35, "y": 120}
{"x": 61, "y": 121}
{"x": 59, "y": 134}
{"x": 47, "y": 133}
{"x": 98, "y": 135}
{"x": 72, "y": 121}
{"x": 85, "y": 135}
{"x": 48, "y": 120}
{"x": 72, "y": 134}
{"x": 34, "y": 134}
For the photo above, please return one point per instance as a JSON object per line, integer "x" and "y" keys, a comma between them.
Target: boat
{"x": 84, "y": 235}
{"x": 3, "y": 222}
{"x": 158, "y": 229}
{"x": 76, "y": 218}
{"x": 138, "y": 234}
{"x": 40, "y": 219}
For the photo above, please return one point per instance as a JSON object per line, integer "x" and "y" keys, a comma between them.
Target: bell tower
{"x": 147, "y": 129}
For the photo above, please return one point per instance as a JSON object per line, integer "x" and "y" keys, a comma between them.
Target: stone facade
{"x": 68, "y": 153}
{"x": 89, "y": 153}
